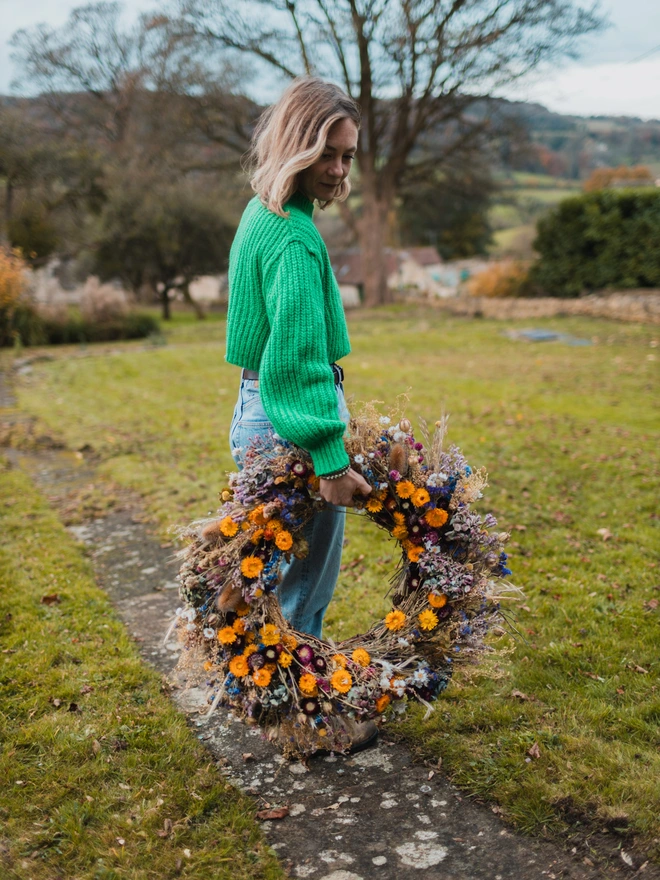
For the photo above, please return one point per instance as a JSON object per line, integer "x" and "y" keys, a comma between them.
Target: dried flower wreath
{"x": 445, "y": 591}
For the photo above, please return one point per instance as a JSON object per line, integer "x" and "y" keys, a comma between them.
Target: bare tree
{"x": 416, "y": 67}
{"x": 138, "y": 89}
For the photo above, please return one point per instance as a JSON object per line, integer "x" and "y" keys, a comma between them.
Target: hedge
{"x": 33, "y": 329}
{"x": 608, "y": 239}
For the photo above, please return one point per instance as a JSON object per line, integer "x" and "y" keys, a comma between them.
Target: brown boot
{"x": 363, "y": 734}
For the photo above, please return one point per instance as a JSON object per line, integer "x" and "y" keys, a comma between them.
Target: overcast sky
{"x": 618, "y": 72}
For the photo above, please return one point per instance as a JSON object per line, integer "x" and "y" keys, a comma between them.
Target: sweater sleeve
{"x": 295, "y": 377}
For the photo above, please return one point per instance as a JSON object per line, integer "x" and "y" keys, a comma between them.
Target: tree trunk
{"x": 372, "y": 234}
{"x": 165, "y": 302}
{"x": 9, "y": 204}
{"x": 199, "y": 311}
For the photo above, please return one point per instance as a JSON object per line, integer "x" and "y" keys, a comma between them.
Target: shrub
{"x": 631, "y": 175}
{"x": 12, "y": 290}
{"x": 33, "y": 232}
{"x": 102, "y": 302}
{"x": 506, "y": 278}
{"x": 605, "y": 239}
{"x": 133, "y": 325}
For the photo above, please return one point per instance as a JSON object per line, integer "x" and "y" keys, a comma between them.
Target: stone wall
{"x": 642, "y": 306}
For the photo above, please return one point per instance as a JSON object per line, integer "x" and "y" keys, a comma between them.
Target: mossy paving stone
{"x": 375, "y": 815}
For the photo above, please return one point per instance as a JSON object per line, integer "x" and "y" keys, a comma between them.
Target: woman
{"x": 286, "y": 325}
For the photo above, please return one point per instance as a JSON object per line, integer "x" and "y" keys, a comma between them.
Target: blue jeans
{"x": 307, "y": 584}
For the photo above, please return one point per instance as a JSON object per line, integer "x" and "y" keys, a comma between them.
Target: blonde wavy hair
{"x": 290, "y": 136}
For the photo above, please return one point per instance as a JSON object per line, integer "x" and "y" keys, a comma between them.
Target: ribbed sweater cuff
{"x": 329, "y": 456}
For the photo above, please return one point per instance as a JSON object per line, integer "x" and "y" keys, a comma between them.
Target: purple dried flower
{"x": 310, "y": 707}
{"x": 255, "y": 661}
{"x": 299, "y": 468}
{"x": 395, "y": 475}
{"x": 419, "y": 446}
{"x": 319, "y": 664}
{"x": 304, "y": 655}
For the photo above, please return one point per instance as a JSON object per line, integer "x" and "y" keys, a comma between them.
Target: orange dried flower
{"x": 405, "y": 488}
{"x": 238, "y": 666}
{"x": 361, "y": 657}
{"x": 437, "y": 601}
{"x": 257, "y": 536}
{"x": 373, "y": 505}
{"x": 251, "y": 566}
{"x": 420, "y": 497}
{"x": 395, "y": 620}
{"x": 436, "y": 517}
{"x": 239, "y": 626}
{"x": 382, "y": 703}
{"x": 228, "y": 527}
{"x": 243, "y": 609}
{"x": 226, "y": 635}
{"x": 257, "y": 516}
{"x": 289, "y": 641}
{"x": 261, "y": 677}
{"x": 341, "y": 681}
{"x": 249, "y": 649}
{"x": 415, "y": 553}
{"x": 400, "y": 533}
{"x": 340, "y": 660}
{"x": 307, "y": 684}
{"x": 284, "y": 540}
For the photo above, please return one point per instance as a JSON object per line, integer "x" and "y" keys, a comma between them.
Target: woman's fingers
{"x": 342, "y": 491}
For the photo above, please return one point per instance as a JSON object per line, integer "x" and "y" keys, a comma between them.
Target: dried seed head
{"x": 399, "y": 459}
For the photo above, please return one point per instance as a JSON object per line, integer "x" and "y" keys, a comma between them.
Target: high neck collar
{"x": 300, "y": 201}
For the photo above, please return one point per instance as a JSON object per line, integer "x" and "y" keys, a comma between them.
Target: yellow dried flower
{"x": 285, "y": 659}
{"x": 373, "y": 505}
{"x": 270, "y": 634}
{"x": 428, "y": 619}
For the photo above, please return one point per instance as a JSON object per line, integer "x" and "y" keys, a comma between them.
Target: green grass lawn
{"x": 101, "y": 776}
{"x": 570, "y": 437}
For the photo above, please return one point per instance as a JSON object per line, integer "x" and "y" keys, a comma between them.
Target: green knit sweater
{"x": 286, "y": 320}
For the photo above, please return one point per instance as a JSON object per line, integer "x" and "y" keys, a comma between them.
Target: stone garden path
{"x": 375, "y": 816}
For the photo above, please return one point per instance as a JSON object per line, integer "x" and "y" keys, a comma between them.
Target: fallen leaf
{"x": 167, "y": 829}
{"x": 96, "y": 746}
{"x": 591, "y": 675}
{"x": 627, "y": 859}
{"x": 51, "y": 599}
{"x": 86, "y": 689}
{"x": 247, "y": 755}
{"x": 523, "y": 697}
{"x": 639, "y": 669}
{"x": 120, "y": 841}
{"x": 652, "y": 604}
{"x": 620, "y": 691}
{"x": 55, "y": 701}
{"x": 535, "y": 751}
{"x": 277, "y": 813}
{"x": 605, "y": 534}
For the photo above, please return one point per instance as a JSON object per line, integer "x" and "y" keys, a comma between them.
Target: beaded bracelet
{"x": 337, "y": 474}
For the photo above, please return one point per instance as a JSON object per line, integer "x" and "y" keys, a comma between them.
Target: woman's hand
{"x": 341, "y": 491}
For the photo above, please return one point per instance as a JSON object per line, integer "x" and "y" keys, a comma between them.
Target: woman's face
{"x": 320, "y": 180}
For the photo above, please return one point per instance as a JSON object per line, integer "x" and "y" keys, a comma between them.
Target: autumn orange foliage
{"x": 601, "y": 178}
{"x": 502, "y": 279}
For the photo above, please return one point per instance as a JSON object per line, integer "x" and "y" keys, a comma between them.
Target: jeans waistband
{"x": 337, "y": 372}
